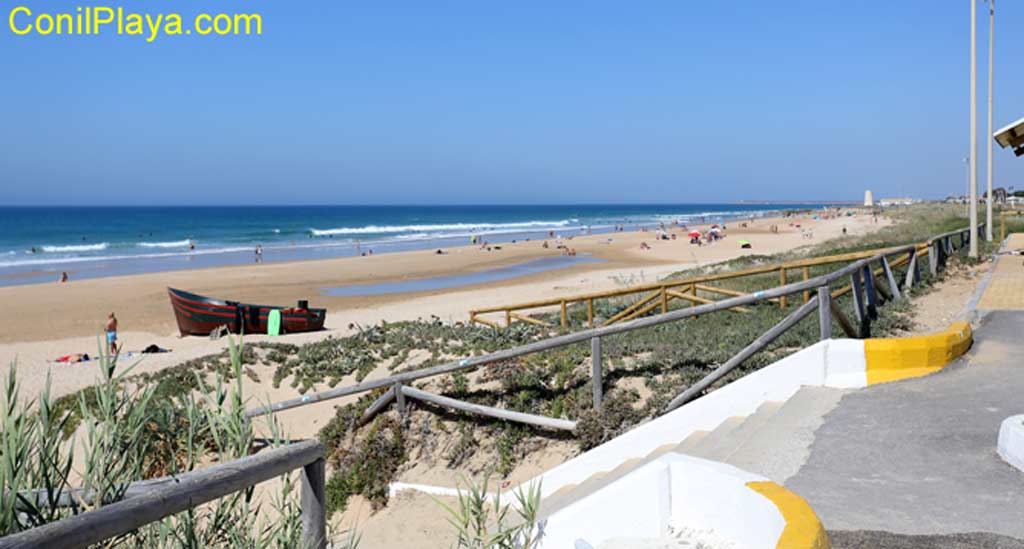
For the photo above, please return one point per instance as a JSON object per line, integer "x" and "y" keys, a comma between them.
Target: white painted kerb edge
{"x": 673, "y": 493}
{"x": 1011, "y": 441}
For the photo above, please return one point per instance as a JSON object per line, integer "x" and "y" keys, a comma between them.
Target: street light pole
{"x": 988, "y": 136}
{"x": 973, "y": 207}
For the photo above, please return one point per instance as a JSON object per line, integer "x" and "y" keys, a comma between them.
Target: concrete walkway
{"x": 1006, "y": 289}
{"x": 918, "y": 456}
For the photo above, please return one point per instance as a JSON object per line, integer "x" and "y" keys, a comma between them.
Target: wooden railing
{"x": 867, "y": 291}
{"x": 152, "y": 500}
{"x": 656, "y": 296}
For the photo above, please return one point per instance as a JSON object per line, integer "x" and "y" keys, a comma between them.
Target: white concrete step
{"x": 780, "y": 445}
{"x": 596, "y": 481}
{"x": 687, "y": 445}
{"x": 726, "y": 445}
{"x": 718, "y": 437}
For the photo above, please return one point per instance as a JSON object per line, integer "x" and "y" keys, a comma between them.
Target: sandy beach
{"x": 45, "y": 321}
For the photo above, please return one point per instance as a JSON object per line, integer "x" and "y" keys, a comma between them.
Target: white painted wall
{"x": 660, "y": 495}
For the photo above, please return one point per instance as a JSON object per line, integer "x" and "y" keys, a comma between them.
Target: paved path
{"x": 918, "y": 456}
{"x": 1006, "y": 290}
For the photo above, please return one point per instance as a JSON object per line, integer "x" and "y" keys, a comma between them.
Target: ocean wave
{"x": 174, "y": 244}
{"x": 76, "y": 248}
{"x": 390, "y": 229}
{"x": 117, "y": 257}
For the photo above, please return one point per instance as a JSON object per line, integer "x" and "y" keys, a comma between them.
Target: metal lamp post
{"x": 973, "y": 206}
{"x": 988, "y": 137}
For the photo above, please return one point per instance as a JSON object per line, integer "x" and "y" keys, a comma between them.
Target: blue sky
{"x": 507, "y": 102}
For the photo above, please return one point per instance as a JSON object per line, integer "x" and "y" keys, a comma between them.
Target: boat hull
{"x": 200, "y": 315}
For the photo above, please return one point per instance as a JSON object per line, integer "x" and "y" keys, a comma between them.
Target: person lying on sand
{"x": 74, "y": 358}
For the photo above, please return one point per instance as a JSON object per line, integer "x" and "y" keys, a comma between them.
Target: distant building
{"x": 885, "y": 202}
{"x": 869, "y": 199}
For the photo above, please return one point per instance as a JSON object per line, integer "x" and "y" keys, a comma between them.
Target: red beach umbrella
{"x": 693, "y": 233}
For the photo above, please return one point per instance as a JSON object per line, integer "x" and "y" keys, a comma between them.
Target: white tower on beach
{"x": 869, "y": 199}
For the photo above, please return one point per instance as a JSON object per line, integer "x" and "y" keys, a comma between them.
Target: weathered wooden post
{"x": 858, "y": 302}
{"x": 565, "y": 316}
{"x": 807, "y": 276}
{"x": 664, "y": 300}
{"x": 933, "y": 257}
{"x": 911, "y": 270}
{"x": 825, "y": 312}
{"x": 869, "y": 289}
{"x": 894, "y": 288}
{"x": 596, "y": 375}
{"x": 314, "y": 515}
{"x": 858, "y": 296}
{"x": 782, "y": 282}
{"x": 399, "y": 399}
{"x": 590, "y": 312}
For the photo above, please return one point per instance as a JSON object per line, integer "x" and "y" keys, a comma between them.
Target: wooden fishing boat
{"x": 200, "y": 315}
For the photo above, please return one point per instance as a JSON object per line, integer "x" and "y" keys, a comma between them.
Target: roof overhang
{"x": 1012, "y": 136}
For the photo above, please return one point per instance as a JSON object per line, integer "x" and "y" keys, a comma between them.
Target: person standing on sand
{"x": 112, "y": 333}
{"x": 259, "y": 253}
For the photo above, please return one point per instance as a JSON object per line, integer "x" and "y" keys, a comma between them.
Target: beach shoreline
{"x": 46, "y": 321}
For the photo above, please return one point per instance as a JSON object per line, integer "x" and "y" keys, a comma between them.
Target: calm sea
{"x": 37, "y": 243}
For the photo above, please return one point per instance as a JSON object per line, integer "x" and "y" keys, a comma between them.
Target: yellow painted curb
{"x": 907, "y": 357}
{"x": 803, "y": 529}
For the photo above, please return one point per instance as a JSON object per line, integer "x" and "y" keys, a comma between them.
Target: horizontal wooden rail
{"x": 570, "y": 338}
{"x": 489, "y": 411}
{"x": 696, "y": 299}
{"x": 581, "y": 336}
{"x": 673, "y": 284}
{"x": 758, "y": 344}
{"x": 188, "y": 491}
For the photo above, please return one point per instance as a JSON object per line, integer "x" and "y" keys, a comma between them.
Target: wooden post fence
{"x": 186, "y": 492}
{"x": 597, "y": 375}
{"x": 824, "y": 313}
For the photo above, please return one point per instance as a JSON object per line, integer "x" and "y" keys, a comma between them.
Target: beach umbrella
{"x": 742, "y": 242}
{"x": 694, "y": 234}
{"x": 715, "y": 230}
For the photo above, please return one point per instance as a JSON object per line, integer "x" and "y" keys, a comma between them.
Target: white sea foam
{"x": 76, "y": 248}
{"x": 174, "y": 244}
{"x": 36, "y": 260}
{"x": 391, "y": 229}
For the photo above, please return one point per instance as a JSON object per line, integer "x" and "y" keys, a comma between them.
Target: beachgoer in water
{"x": 112, "y": 333}
{"x": 191, "y": 245}
{"x": 64, "y": 276}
